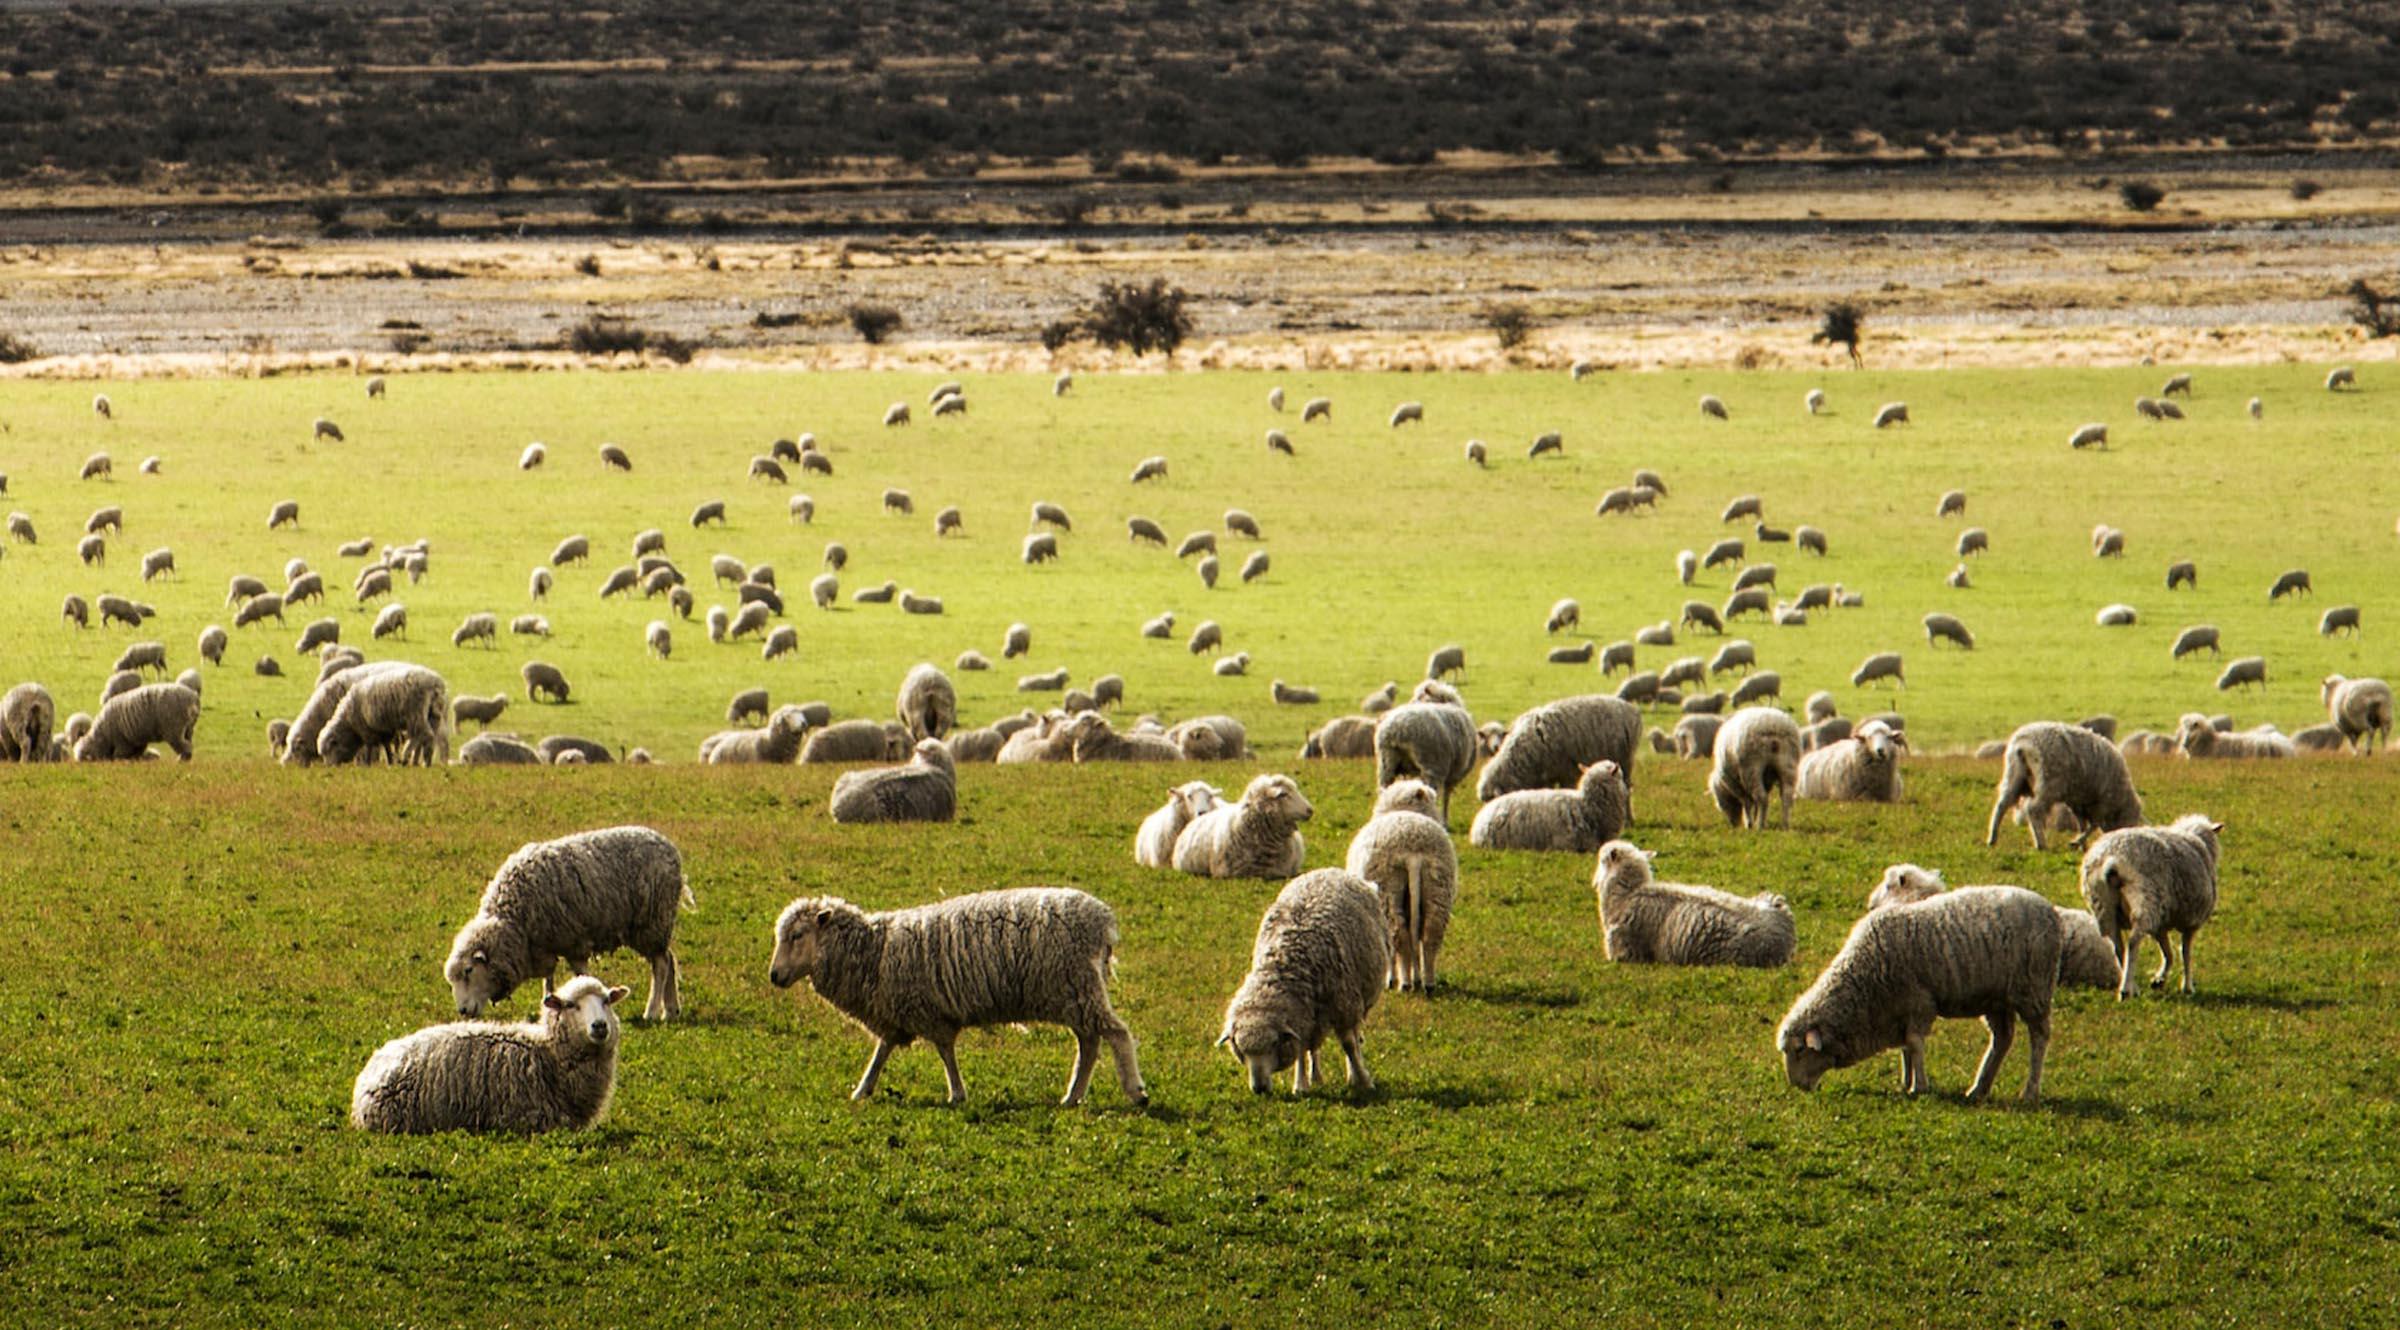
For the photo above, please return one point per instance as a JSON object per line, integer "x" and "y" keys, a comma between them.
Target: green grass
{"x": 205, "y": 954}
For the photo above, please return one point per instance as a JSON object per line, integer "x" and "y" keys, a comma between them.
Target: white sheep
{"x": 2048, "y": 765}
{"x": 1862, "y": 768}
{"x": 1256, "y": 837}
{"x": 1577, "y": 821}
{"x": 924, "y": 789}
{"x": 1645, "y": 921}
{"x": 1431, "y": 738}
{"x": 132, "y": 721}
{"x": 2147, "y": 882}
{"x": 1154, "y": 843}
{"x": 2361, "y": 709}
{"x": 1891, "y": 413}
{"x": 555, "y": 1073}
{"x": 26, "y": 716}
{"x": 1757, "y": 751}
{"x": 984, "y": 958}
{"x": 2196, "y": 737}
{"x": 1318, "y": 967}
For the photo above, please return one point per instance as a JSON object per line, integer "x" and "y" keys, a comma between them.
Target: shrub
{"x": 2141, "y": 195}
{"x": 1138, "y": 318}
{"x": 15, "y": 350}
{"x": 874, "y": 322}
{"x": 1840, "y": 328}
{"x": 2372, "y": 310}
{"x": 1510, "y": 323}
{"x": 608, "y": 335}
{"x": 2305, "y": 189}
{"x": 588, "y": 265}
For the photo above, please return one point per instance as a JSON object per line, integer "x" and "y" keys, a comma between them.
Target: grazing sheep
{"x": 813, "y": 461}
{"x": 2196, "y": 637}
{"x": 1255, "y": 566}
{"x": 1616, "y": 656}
{"x": 1256, "y": 837}
{"x": 132, "y": 721}
{"x": 711, "y": 511}
{"x": 1958, "y": 579}
{"x": 2147, "y": 882}
{"x": 1199, "y": 542}
{"x": 1150, "y": 468}
{"x": 1343, "y": 736}
{"x": 322, "y": 428}
{"x": 1316, "y": 408}
{"x": 1645, "y": 921}
{"x": 1737, "y": 654}
{"x": 2116, "y": 616}
{"x": 1575, "y": 655}
{"x": 1205, "y": 637}
{"x": 1552, "y": 746}
{"x": 1280, "y": 442}
{"x": 1450, "y": 660}
{"x": 2290, "y": 583}
{"x": 556, "y": 1073}
{"x": 1041, "y": 547}
{"x": 1992, "y": 952}
{"x": 2258, "y": 409}
{"x": 145, "y": 656}
{"x": 1551, "y": 443}
{"x": 614, "y": 458}
{"x": 1892, "y": 413}
{"x": 1953, "y": 503}
{"x": 1711, "y": 405}
{"x": 855, "y": 741}
{"x": 2108, "y": 543}
{"x": 1700, "y": 614}
{"x": 1757, "y": 751}
{"x": 119, "y": 683}
{"x": 1755, "y": 575}
{"x": 102, "y": 407}
{"x": 110, "y": 519}
{"x": 1756, "y": 688}
{"x": 1154, "y": 844}
{"x": 1972, "y": 541}
{"x": 2338, "y": 619}
{"x": 1142, "y": 529}
{"x": 542, "y": 678}
{"x": 927, "y": 705}
{"x": 2246, "y": 670}
{"x": 92, "y": 551}
{"x": 482, "y": 627}
{"x": 923, "y": 790}
{"x": 571, "y": 899}
{"x": 1862, "y": 769}
{"x": 2199, "y": 739}
{"x": 784, "y": 641}
{"x": 390, "y": 709}
{"x": 1275, "y": 398}
{"x": 748, "y": 704}
{"x": 1478, "y": 452}
{"x": 1207, "y": 569}
{"x": 659, "y": 640}
{"x": 1320, "y": 963}
{"x": 1578, "y": 820}
{"x": 574, "y": 549}
{"x": 2085, "y": 960}
{"x": 2149, "y": 408}
{"x": 480, "y": 710}
{"x": 751, "y": 621}
{"x": 803, "y": 509}
{"x": 984, "y": 958}
{"x": 1290, "y": 696}
{"x": 1241, "y": 523}
{"x": 98, "y": 466}
{"x": 26, "y": 718}
{"x": 2361, "y": 709}
{"x": 1946, "y": 628}
{"x": 1881, "y": 665}
{"x": 1811, "y": 540}
{"x": 117, "y": 609}
{"x": 1814, "y": 402}
{"x": 1750, "y": 600}
{"x": 2049, "y": 766}
{"x": 318, "y": 633}
{"x": 2183, "y": 573}
{"x": 2089, "y": 436}
{"x": 2335, "y": 380}
{"x": 767, "y": 469}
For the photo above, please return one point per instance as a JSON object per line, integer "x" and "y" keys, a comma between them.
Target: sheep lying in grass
{"x": 984, "y": 958}
{"x": 552, "y": 1074}
{"x": 2049, "y": 765}
{"x": 1431, "y": 738}
{"x": 1991, "y": 952}
{"x": 132, "y": 721}
{"x": 2196, "y": 738}
{"x": 2361, "y": 710}
{"x": 1408, "y": 857}
{"x": 1643, "y": 921}
{"x": 925, "y": 789}
{"x": 1343, "y": 736}
{"x": 571, "y": 899}
{"x": 1154, "y": 844}
{"x": 1090, "y": 738}
{"x": 1318, "y": 967}
{"x": 1256, "y": 837}
{"x": 856, "y": 741}
{"x": 1576, "y": 821}
{"x": 1757, "y": 752}
{"x": 777, "y": 741}
{"x": 1864, "y": 768}
{"x": 2085, "y": 959}
{"x": 2147, "y": 882}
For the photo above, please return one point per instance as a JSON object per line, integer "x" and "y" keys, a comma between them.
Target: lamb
{"x": 1645, "y": 921}
{"x": 1319, "y": 965}
{"x": 1292, "y": 696}
{"x": 1154, "y": 844}
{"x": 923, "y": 790}
{"x": 855, "y": 741}
{"x": 2089, "y": 436}
{"x": 129, "y": 723}
{"x": 1256, "y": 837}
{"x": 542, "y": 678}
{"x": 1578, "y": 821}
{"x": 2048, "y": 765}
{"x": 551, "y": 1074}
{"x": 1756, "y": 688}
{"x": 1343, "y": 736}
{"x": 2117, "y": 616}
{"x": 481, "y": 710}
{"x": 1992, "y": 952}
{"x": 927, "y": 705}
{"x": 1892, "y": 413}
{"x": 1450, "y": 660}
{"x": 2361, "y": 710}
{"x": 984, "y": 958}
{"x": 2338, "y": 619}
{"x": 389, "y": 708}
{"x": 1757, "y": 750}
{"x": 1881, "y": 665}
{"x": 2246, "y": 670}
{"x": 26, "y": 717}
{"x": 2199, "y": 739}
{"x": 614, "y": 458}
{"x": 2149, "y": 882}
{"x": 1552, "y": 746}
{"x": 1864, "y": 768}
{"x": 571, "y": 899}
{"x": 1041, "y": 547}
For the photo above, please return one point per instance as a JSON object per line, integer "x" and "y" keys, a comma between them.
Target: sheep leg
{"x": 875, "y": 1061}
{"x": 1304, "y": 1073}
{"x": 2125, "y": 957}
{"x": 2166, "y": 962}
{"x": 1783, "y": 792}
{"x": 1913, "y": 1080}
{"x": 2189, "y": 988}
{"x": 1356, "y": 1068}
{"x": 948, "y": 1047}
{"x": 663, "y": 1000}
{"x": 2037, "y": 1042}
{"x": 2003, "y": 1025}
{"x": 1129, "y": 1068}
{"x": 1087, "y": 1053}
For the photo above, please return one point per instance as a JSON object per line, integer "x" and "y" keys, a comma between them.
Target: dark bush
{"x": 1840, "y": 328}
{"x": 608, "y": 335}
{"x": 1511, "y": 324}
{"x": 2378, "y": 314}
{"x": 2305, "y": 189}
{"x": 2141, "y": 195}
{"x": 588, "y": 265}
{"x": 15, "y": 350}
{"x": 1140, "y": 319}
{"x": 874, "y": 323}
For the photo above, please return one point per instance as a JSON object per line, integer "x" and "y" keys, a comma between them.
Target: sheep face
{"x": 1262, "y": 1045}
{"x": 1904, "y": 884}
{"x": 486, "y": 964}
{"x": 1809, "y": 1054}
{"x": 796, "y": 941}
{"x": 1277, "y": 794}
{"x": 1197, "y": 797}
{"x": 578, "y": 1015}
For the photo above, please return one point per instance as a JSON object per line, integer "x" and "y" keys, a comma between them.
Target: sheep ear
{"x": 553, "y": 1001}
{"x": 1815, "y": 1040}
{"x": 480, "y": 957}
{"x": 2215, "y": 827}
{"x": 1648, "y": 856}
{"x": 547, "y": 988}
{"x": 617, "y": 994}
{"x": 1224, "y": 1039}
{"x": 824, "y": 917}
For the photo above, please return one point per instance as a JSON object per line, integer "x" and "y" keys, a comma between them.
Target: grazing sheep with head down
{"x": 2147, "y": 882}
{"x": 925, "y": 789}
{"x": 2049, "y": 765}
{"x": 1644, "y": 921}
{"x": 1343, "y": 736}
{"x": 1318, "y": 967}
{"x": 1974, "y": 540}
{"x": 130, "y": 722}
{"x": 1408, "y": 857}
{"x": 2292, "y": 582}
{"x": 985, "y": 958}
{"x": 1578, "y": 821}
{"x": 1756, "y": 688}
{"x": 1552, "y": 746}
{"x": 1141, "y": 530}
{"x": 1256, "y": 837}
{"x": 2361, "y": 710}
{"x": 2117, "y": 616}
{"x": 1757, "y": 751}
{"x": 1154, "y": 844}
{"x": 2336, "y": 380}
{"x": 481, "y": 710}
{"x": 2339, "y": 619}
{"x": 391, "y": 709}
{"x": 556, "y": 1073}
{"x": 1041, "y": 547}
{"x": 1447, "y": 661}
{"x": 543, "y": 678}
{"x": 1881, "y": 665}
{"x": 2245, "y": 671}
{"x": 614, "y": 458}
{"x": 1991, "y": 952}
{"x": 571, "y": 899}
{"x": 2085, "y": 960}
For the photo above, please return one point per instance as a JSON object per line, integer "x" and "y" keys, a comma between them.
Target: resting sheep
{"x": 1644, "y": 921}
{"x": 925, "y": 789}
{"x": 2197, "y": 738}
{"x": 1343, "y": 736}
{"x": 1577, "y": 821}
{"x": 556, "y": 1073}
{"x": 1864, "y": 768}
{"x": 1154, "y": 843}
{"x": 1255, "y": 837}
{"x": 855, "y": 741}
{"x": 1318, "y": 967}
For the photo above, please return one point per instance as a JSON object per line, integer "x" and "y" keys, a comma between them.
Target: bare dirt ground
{"x": 2017, "y": 265}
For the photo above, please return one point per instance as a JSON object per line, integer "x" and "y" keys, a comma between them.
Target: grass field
{"x": 206, "y": 954}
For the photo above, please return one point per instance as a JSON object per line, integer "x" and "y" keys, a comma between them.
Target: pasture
{"x": 205, "y": 954}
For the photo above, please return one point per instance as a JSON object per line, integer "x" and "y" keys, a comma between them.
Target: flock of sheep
{"x": 1559, "y": 778}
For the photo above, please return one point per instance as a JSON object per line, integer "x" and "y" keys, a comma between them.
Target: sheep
{"x": 2116, "y": 616}
{"x": 2109, "y": 543}
{"x": 555, "y": 1073}
{"x": 1616, "y": 656}
{"x": 1711, "y": 405}
{"x": 1750, "y": 600}
{"x": 267, "y": 667}
{"x": 1578, "y": 820}
{"x": 803, "y": 509}
{"x": 1149, "y": 468}
{"x": 2197, "y": 738}
{"x": 117, "y": 609}
{"x": 2246, "y": 670}
{"x": 1041, "y": 547}
{"x": 1275, "y": 398}
{"x": 1644, "y": 921}
{"x": 20, "y": 529}
{"x": 130, "y": 722}
{"x": 1343, "y": 736}
{"x": 1551, "y": 746}
{"x": 1241, "y": 523}
{"x": 2183, "y": 572}
{"x": 1090, "y": 738}
{"x": 855, "y": 741}
{"x": 481, "y": 627}
{"x": 2337, "y": 620}
{"x": 658, "y": 639}
{"x": 1891, "y": 413}
{"x": 1207, "y": 570}
{"x": 2094, "y": 435}
{"x": 1049, "y": 682}
{"x": 1993, "y": 952}
{"x": 2258, "y": 409}
{"x": 543, "y": 678}
{"x": 1757, "y": 750}
{"x": 927, "y": 705}
{"x": 2149, "y": 882}
{"x": 1756, "y": 688}
{"x": 1062, "y": 385}
{"x": 1768, "y": 535}
{"x": 748, "y": 704}
{"x": 783, "y": 641}
{"x": 1154, "y": 844}
{"x": 2149, "y": 408}
{"x": 776, "y": 741}
{"x": 1292, "y": 696}
{"x": 1747, "y": 505}
{"x": 1381, "y": 700}
{"x": 711, "y": 511}
{"x": 317, "y": 633}
{"x": 912, "y": 603}
{"x": 984, "y": 958}
{"x": 1254, "y": 567}
{"x": 2361, "y": 710}
{"x": 1280, "y": 442}
{"x": 2325, "y": 738}
{"x": 26, "y": 718}
{"x": 1953, "y": 503}
{"x": 1258, "y": 836}
{"x": 924, "y": 790}
{"x": 1431, "y": 738}
{"x": 571, "y": 899}
{"x": 812, "y": 461}
{"x": 92, "y": 551}
{"x": 614, "y": 458}
{"x": 1755, "y": 575}
{"x": 1580, "y": 654}
{"x": 2049, "y": 765}
{"x": 1316, "y": 408}
{"x": 750, "y": 622}
{"x": 1478, "y": 452}
{"x": 2085, "y": 960}
{"x": 119, "y": 683}
{"x": 1320, "y": 963}
{"x": 1881, "y": 665}
{"x": 2293, "y": 582}
{"x": 1551, "y": 443}
{"x": 389, "y": 708}
{"x": 98, "y": 466}
{"x": 303, "y": 586}
{"x": 2193, "y": 639}
{"x": 1205, "y": 637}
{"x": 144, "y": 656}
{"x": 1449, "y": 661}
{"x": 1408, "y": 858}
{"x": 1864, "y": 768}
{"x": 1737, "y": 654}
{"x": 102, "y": 407}
{"x": 650, "y": 540}
{"x": 1814, "y": 401}
{"x": 481, "y": 710}
{"x": 2335, "y": 380}
{"x": 529, "y": 625}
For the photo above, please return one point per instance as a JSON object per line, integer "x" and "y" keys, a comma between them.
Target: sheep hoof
{"x": 1142, "y": 1100}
